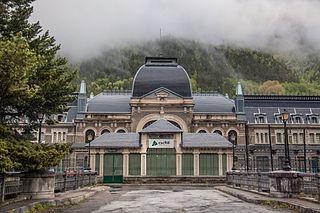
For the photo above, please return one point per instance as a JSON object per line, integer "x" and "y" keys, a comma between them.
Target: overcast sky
{"x": 85, "y": 27}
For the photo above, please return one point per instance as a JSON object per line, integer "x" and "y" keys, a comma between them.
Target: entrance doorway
{"x": 113, "y": 168}
{"x": 161, "y": 162}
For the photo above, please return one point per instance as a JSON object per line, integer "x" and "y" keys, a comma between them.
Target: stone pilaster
{"x": 101, "y": 164}
{"x": 143, "y": 164}
{"x": 125, "y": 163}
{"x": 178, "y": 164}
{"x": 196, "y": 163}
{"x": 220, "y": 165}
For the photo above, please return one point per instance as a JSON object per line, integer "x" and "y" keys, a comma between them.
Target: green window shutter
{"x": 134, "y": 164}
{"x": 187, "y": 164}
{"x": 118, "y": 164}
{"x": 224, "y": 164}
{"x": 161, "y": 162}
{"x": 206, "y": 164}
{"x": 97, "y": 163}
{"x": 215, "y": 164}
{"x": 107, "y": 165}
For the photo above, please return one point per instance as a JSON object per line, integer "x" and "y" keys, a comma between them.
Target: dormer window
{"x": 296, "y": 118}
{"x": 277, "y": 118}
{"x": 261, "y": 118}
{"x": 313, "y": 119}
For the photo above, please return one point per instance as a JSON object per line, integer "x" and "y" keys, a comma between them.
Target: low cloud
{"x": 86, "y": 27}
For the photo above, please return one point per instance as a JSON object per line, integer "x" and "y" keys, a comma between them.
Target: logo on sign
{"x": 161, "y": 143}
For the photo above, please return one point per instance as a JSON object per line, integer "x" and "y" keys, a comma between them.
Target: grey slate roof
{"x": 109, "y": 103}
{"x": 272, "y": 104}
{"x": 116, "y": 140}
{"x": 72, "y": 113}
{"x": 161, "y": 125}
{"x": 78, "y": 145}
{"x": 213, "y": 140}
{"x": 213, "y": 103}
{"x": 159, "y": 73}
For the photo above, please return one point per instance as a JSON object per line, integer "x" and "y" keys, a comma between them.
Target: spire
{"x": 239, "y": 89}
{"x": 83, "y": 89}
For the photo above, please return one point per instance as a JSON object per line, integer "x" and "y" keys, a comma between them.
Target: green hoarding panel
{"x": 113, "y": 168}
{"x": 209, "y": 164}
{"x": 161, "y": 162}
{"x": 224, "y": 164}
{"x": 97, "y": 163}
{"x": 187, "y": 164}
{"x": 134, "y": 164}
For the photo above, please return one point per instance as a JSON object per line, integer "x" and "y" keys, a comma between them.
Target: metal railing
{"x": 73, "y": 180}
{"x": 260, "y": 181}
{"x": 11, "y": 184}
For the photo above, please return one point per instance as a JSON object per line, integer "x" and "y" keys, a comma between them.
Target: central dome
{"x": 160, "y": 72}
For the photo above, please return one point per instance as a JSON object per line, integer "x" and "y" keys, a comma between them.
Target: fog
{"x": 86, "y": 27}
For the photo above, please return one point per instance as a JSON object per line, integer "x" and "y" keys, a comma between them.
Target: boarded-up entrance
{"x": 209, "y": 164}
{"x": 112, "y": 171}
{"x": 161, "y": 162}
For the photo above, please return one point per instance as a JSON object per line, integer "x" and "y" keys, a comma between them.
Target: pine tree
{"x": 51, "y": 77}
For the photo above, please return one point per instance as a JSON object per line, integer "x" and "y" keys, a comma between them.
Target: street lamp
{"x": 40, "y": 116}
{"x": 287, "y": 165}
{"x": 233, "y": 140}
{"x": 90, "y": 137}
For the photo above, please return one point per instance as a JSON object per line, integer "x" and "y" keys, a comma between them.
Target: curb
{"x": 56, "y": 202}
{"x": 291, "y": 206}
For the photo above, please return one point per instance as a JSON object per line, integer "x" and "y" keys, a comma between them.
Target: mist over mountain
{"x": 86, "y": 28}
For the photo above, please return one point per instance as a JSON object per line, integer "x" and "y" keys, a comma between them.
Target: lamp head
{"x": 285, "y": 115}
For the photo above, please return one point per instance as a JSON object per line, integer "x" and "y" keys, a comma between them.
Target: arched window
{"x": 90, "y": 135}
{"x": 202, "y": 131}
{"x": 148, "y": 123}
{"x": 217, "y": 131}
{"x": 151, "y": 122}
{"x": 232, "y": 136}
{"x": 105, "y": 131}
{"x": 176, "y": 124}
{"x": 121, "y": 131}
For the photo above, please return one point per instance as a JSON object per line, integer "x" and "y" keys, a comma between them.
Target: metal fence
{"x": 74, "y": 180}
{"x": 11, "y": 184}
{"x": 260, "y": 181}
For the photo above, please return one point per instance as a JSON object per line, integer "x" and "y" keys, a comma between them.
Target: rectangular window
{"x": 295, "y": 138}
{"x": 262, "y": 163}
{"x": 266, "y": 138}
{"x": 318, "y": 138}
{"x": 261, "y": 137}
{"x": 279, "y": 138}
{"x": 301, "y": 138}
{"x": 257, "y": 137}
{"x": 311, "y": 138}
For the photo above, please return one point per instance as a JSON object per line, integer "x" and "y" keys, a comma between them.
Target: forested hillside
{"x": 211, "y": 68}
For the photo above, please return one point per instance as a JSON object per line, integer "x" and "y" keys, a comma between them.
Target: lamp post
{"x": 233, "y": 140}
{"x": 89, "y": 139}
{"x": 40, "y": 116}
{"x": 287, "y": 165}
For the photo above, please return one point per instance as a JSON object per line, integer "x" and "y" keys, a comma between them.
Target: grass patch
{"x": 277, "y": 204}
{"x": 40, "y": 207}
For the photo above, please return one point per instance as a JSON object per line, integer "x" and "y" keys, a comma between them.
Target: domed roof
{"x": 160, "y": 72}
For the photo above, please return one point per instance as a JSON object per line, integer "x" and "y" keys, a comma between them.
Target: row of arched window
{"x": 90, "y": 134}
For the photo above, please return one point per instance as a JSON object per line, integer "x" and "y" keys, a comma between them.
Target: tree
{"x": 49, "y": 77}
{"x": 33, "y": 79}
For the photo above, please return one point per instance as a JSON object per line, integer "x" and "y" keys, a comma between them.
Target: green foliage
{"x": 210, "y": 68}
{"x": 33, "y": 79}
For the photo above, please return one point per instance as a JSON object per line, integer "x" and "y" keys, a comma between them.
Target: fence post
{"x": 64, "y": 181}
{"x": 2, "y": 179}
{"x": 318, "y": 178}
